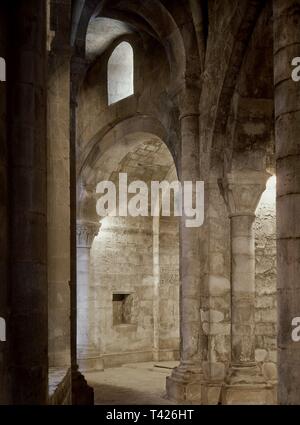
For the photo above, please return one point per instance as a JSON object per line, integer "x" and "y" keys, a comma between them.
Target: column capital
{"x": 187, "y": 98}
{"x": 189, "y": 103}
{"x": 242, "y": 189}
{"x": 86, "y": 231}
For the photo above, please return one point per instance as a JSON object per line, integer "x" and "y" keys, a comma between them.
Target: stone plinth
{"x": 185, "y": 384}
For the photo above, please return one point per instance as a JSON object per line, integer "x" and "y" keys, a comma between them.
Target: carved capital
{"x": 242, "y": 190}
{"x": 86, "y": 204}
{"x": 86, "y": 233}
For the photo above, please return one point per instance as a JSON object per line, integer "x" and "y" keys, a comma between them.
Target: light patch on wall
{"x": 101, "y": 33}
{"x": 120, "y": 73}
{"x": 268, "y": 198}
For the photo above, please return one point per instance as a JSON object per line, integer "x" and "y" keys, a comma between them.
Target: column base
{"x": 184, "y": 386}
{"x": 245, "y": 384}
{"x": 211, "y": 393}
{"x": 82, "y": 393}
{"x": 91, "y": 363}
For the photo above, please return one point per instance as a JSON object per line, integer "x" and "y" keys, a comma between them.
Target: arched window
{"x": 120, "y": 73}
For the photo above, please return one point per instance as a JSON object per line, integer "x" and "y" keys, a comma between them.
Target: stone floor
{"x": 131, "y": 384}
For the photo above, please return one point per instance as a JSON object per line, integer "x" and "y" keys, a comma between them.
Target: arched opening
{"x": 120, "y": 73}
{"x": 155, "y": 72}
{"x": 128, "y": 281}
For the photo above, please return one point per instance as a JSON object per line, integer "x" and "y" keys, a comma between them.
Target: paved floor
{"x": 132, "y": 384}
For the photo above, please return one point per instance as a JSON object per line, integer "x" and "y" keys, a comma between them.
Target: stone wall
{"x": 265, "y": 280}
{"x": 122, "y": 264}
{"x": 168, "y": 347}
{"x": 120, "y": 312}
{"x": 216, "y": 317}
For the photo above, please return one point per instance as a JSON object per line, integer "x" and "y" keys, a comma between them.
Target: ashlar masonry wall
{"x": 122, "y": 292}
{"x": 265, "y": 281}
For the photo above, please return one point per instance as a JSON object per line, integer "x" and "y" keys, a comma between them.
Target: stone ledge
{"x": 248, "y": 395}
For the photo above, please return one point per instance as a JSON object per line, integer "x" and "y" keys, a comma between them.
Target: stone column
{"x": 58, "y": 187}
{"x": 244, "y": 383}
{"x": 184, "y": 385}
{"x": 82, "y": 394}
{"x": 87, "y": 357}
{"x": 27, "y": 94}
{"x": 286, "y": 15}
{"x": 156, "y": 278}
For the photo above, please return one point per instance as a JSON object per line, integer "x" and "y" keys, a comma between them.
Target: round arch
{"x": 115, "y": 142}
{"x": 157, "y": 17}
{"x": 113, "y": 151}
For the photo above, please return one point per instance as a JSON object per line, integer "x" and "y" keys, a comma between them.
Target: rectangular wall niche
{"x": 122, "y": 309}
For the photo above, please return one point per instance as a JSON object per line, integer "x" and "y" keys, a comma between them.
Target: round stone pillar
{"x": 58, "y": 211}
{"x": 244, "y": 383}
{"x": 184, "y": 385}
{"x": 27, "y": 136}
{"x": 243, "y": 288}
{"x": 87, "y": 357}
